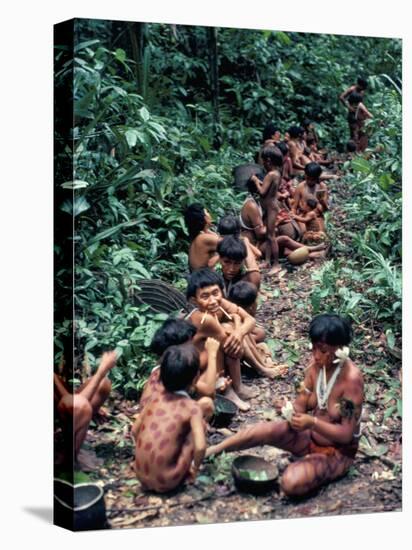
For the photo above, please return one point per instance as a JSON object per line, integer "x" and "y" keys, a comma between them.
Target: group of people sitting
{"x": 203, "y": 353}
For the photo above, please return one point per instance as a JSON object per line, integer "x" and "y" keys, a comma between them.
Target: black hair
{"x": 201, "y": 278}
{"x": 354, "y": 98}
{"x": 229, "y": 225}
{"x": 251, "y": 186}
{"x": 295, "y": 131}
{"x": 313, "y": 170}
{"x": 195, "y": 219}
{"x": 172, "y": 333}
{"x": 331, "y": 329}
{"x": 179, "y": 367}
{"x": 310, "y": 139}
{"x": 312, "y": 203}
{"x": 269, "y": 130}
{"x": 283, "y": 148}
{"x": 233, "y": 248}
{"x": 272, "y": 154}
{"x": 306, "y": 123}
{"x": 362, "y": 83}
{"x": 351, "y": 146}
{"x": 243, "y": 294}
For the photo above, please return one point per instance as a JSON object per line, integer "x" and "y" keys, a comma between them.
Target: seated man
{"x": 203, "y": 241}
{"x": 311, "y": 188}
{"x": 323, "y": 425}
{"x": 205, "y": 290}
{"x": 236, "y": 266}
{"x": 76, "y": 410}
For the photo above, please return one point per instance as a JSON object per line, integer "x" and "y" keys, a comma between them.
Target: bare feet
{"x": 233, "y": 396}
{"x": 314, "y": 248}
{"x": 212, "y": 450}
{"x": 246, "y": 393}
{"x": 275, "y": 270}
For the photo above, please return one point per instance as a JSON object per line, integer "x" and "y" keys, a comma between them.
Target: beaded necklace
{"x": 324, "y": 389}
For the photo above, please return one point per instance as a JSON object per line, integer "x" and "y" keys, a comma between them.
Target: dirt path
{"x": 285, "y": 312}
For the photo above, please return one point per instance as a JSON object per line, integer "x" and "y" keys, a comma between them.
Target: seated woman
{"x": 203, "y": 241}
{"x": 324, "y": 426}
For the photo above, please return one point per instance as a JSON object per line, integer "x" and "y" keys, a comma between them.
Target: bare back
{"x": 202, "y": 251}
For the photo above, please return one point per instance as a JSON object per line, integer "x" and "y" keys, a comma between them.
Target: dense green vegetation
{"x": 155, "y": 129}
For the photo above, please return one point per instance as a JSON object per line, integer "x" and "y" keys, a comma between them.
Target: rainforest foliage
{"x": 162, "y": 114}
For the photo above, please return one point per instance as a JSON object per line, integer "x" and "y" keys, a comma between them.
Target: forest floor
{"x": 373, "y": 484}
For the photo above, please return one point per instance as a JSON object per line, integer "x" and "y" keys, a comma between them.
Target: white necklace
{"x": 323, "y": 389}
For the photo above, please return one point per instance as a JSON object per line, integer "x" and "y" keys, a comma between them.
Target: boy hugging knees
{"x": 203, "y": 241}
{"x": 257, "y": 354}
{"x": 218, "y": 318}
{"x": 170, "y": 431}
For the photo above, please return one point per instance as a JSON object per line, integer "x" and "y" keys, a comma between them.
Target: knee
{"x": 290, "y": 483}
{"x": 105, "y": 388}
{"x": 82, "y": 409}
{"x": 207, "y": 407}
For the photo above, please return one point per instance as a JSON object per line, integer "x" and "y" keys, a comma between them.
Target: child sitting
{"x": 236, "y": 265}
{"x": 230, "y": 225}
{"x": 170, "y": 432}
{"x": 203, "y": 241}
{"x": 245, "y": 295}
{"x": 174, "y": 332}
{"x": 313, "y": 232}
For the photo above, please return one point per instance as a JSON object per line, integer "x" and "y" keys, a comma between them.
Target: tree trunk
{"x": 138, "y": 40}
{"x": 214, "y": 85}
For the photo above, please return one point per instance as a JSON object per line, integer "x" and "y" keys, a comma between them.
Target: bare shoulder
{"x": 274, "y": 174}
{"x": 310, "y": 377}
{"x": 353, "y": 375}
{"x": 208, "y": 238}
{"x": 230, "y": 307}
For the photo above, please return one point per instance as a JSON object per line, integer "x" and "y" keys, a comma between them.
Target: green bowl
{"x": 255, "y": 475}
